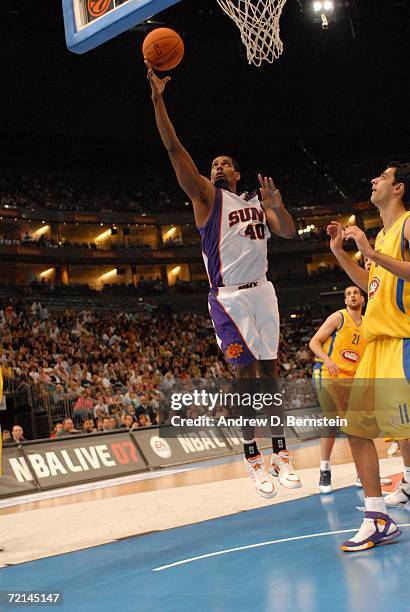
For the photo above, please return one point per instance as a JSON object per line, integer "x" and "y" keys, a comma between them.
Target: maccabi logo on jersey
{"x": 350, "y": 356}
{"x": 96, "y": 8}
{"x": 234, "y": 350}
{"x": 373, "y": 287}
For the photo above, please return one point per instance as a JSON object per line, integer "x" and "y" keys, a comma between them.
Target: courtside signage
{"x": 164, "y": 446}
{"x": 68, "y": 461}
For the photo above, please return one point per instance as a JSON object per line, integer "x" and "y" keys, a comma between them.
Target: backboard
{"x": 89, "y": 23}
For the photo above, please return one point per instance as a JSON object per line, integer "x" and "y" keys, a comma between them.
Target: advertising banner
{"x": 190, "y": 444}
{"x": 70, "y": 460}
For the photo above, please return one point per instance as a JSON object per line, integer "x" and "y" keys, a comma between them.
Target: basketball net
{"x": 258, "y": 22}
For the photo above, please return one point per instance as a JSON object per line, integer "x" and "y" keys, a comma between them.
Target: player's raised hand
{"x": 355, "y": 233}
{"x": 157, "y": 84}
{"x": 335, "y": 232}
{"x": 271, "y": 197}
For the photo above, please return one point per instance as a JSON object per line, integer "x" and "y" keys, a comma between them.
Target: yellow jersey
{"x": 345, "y": 347}
{"x": 388, "y": 306}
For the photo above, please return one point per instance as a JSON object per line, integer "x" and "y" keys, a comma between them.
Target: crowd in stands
{"x": 78, "y": 192}
{"x": 107, "y": 370}
{"x": 48, "y": 243}
{"x": 303, "y": 184}
{"x": 153, "y": 286}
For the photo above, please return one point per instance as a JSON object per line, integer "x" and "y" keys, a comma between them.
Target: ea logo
{"x": 96, "y": 8}
{"x": 160, "y": 447}
{"x": 373, "y": 287}
{"x": 350, "y": 356}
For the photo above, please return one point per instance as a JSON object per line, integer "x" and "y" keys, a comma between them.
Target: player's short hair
{"x": 402, "y": 175}
{"x": 235, "y": 164}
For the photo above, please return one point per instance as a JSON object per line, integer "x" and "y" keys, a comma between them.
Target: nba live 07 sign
{"x": 53, "y": 463}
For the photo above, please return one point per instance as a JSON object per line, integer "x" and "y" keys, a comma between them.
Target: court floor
{"x": 279, "y": 557}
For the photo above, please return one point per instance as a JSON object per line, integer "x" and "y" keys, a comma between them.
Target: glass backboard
{"x": 89, "y": 23}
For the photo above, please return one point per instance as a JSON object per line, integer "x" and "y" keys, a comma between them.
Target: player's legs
{"x": 327, "y": 440}
{"x": 248, "y": 431}
{"x": 377, "y": 526}
{"x": 237, "y": 337}
{"x": 280, "y": 465}
{"x": 367, "y": 464}
{"x": 264, "y": 305}
{"x": 326, "y": 447}
{"x": 255, "y": 467}
{"x": 392, "y": 408}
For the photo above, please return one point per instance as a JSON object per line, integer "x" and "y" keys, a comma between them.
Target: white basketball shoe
{"x": 400, "y": 498}
{"x": 263, "y": 481}
{"x": 383, "y": 481}
{"x": 281, "y": 466}
{"x": 393, "y": 448}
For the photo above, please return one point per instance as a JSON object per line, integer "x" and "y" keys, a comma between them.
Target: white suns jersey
{"x": 234, "y": 240}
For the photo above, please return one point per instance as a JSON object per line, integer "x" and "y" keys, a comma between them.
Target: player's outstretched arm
{"x": 324, "y": 332}
{"x": 278, "y": 218}
{"x": 359, "y": 276}
{"x": 197, "y": 187}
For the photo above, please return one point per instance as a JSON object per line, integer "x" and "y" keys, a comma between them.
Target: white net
{"x": 258, "y": 22}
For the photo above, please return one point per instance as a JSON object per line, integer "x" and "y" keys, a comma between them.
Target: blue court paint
{"x": 306, "y": 575}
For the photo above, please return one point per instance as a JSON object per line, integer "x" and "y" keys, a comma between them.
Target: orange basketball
{"x": 163, "y": 48}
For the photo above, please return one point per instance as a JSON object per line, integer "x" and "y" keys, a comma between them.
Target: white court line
{"x": 268, "y": 543}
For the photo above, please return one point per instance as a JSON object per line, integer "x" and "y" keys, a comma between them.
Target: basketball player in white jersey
{"x": 242, "y": 303}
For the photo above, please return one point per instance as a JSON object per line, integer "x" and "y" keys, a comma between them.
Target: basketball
{"x": 163, "y": 48}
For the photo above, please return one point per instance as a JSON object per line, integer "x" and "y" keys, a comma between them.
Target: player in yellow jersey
{"x": 338, "y": 345}
{"x": 380, "y": 397}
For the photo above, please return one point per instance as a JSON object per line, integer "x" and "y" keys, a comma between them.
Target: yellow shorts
{"x": 380, "y": 398}
{"x": 332, "y": 392}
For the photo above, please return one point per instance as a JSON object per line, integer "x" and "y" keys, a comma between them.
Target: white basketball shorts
{"x": 246, "y": 321}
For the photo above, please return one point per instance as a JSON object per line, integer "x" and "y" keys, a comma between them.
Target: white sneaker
{"x": 263, "y": 481}
{"x": 393, "y": 449}
{"x": 400, "y": 498}
{"x": 282, "y": 467}
{"x": 325, "y": 482}
{"x": 383, "y": 481}
{"x": 376, "y": 528}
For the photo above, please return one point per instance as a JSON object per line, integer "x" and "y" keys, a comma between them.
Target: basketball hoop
{"x": 258, "y": 23}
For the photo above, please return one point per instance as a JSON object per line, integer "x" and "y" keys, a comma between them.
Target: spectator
{"x": 143, "y": 421}
{"x": 107, "y": 424}
{"x": 129, "y": 422}
{"x": 113, "y": 423}
{"x": 88, "y": 426}
{"x": 17, "y": 433}
{"x": 67, "y": 429}
{"x": 5, "y": 436}
{"x": 16, "y": 437}
{"x": 84, "y": 405}
{"x": 57, "y": 427}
